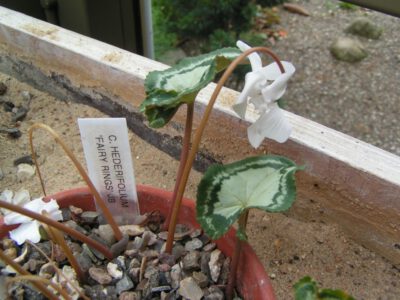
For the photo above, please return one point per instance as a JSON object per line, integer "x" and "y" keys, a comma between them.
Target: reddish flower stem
{"x": 183, "y": 158}
{"x": 53, "y": 223}
{"x": 199, "y": 133}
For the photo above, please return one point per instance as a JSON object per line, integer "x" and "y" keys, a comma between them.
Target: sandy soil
{"x": 288, "y": 248}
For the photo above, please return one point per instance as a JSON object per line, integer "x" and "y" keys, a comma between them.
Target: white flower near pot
{"x": 29, "y": 228}
{"x": 263, "y": 87}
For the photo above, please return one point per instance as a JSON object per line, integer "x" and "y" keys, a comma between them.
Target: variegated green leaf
{"x": 167, "y": 90}
{"x": 307, "y": 289}
{"x": 265, "y": 182}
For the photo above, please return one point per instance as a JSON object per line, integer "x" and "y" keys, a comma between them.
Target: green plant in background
{"x": 307, "y": 289}
{"x": 270, "y": 3}
{"x": 199, "y": 19}
{"x": 164, "y": 40}
{"x": 347, "y": 6}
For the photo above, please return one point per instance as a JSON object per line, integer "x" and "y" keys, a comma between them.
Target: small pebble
{"x": 159, "y": 289}
{"x": 25, "y": 172}
{"x": 3, "y": 89}
{"x": 215, "y": 264}
{"x": 75, "y": 210}
{"x": 210, "y": 247}
{"x": 196, "y": 233}
{"x": 176, "y": 274}
{"x": 100, "y": 275}
{"x": 1, "y": 173}
{"x": 193, "y": 244}
{"x": 26, "y": 159}
{"x": 189, "y": 289}
{"x": 114, "y": 271}
{"x": 11, "y": 253}
{"x": 124, "y": 284}
{"x": 106, "y": 233}
{"x": 26, "y": 95}
{"x": 215, "y": 293}
{"x": 201, "y": 279}
{"x": 131, "y": 230}
{"x": 129, "y": 296}
{"x": 8, "y": 106}
{"x": 20, "y": 114}
{"x": 89, "y": 216}
{"x": 191, "y": 261}
{"x": 14, "y": 133}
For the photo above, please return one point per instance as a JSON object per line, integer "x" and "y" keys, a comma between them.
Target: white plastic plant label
{"x": 109, "y": 162}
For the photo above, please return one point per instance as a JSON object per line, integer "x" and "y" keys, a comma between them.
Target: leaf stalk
{"x": 199, "y": 133}
{"x": 183, "y": 158}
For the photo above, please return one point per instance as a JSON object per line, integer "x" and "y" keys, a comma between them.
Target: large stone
{"x": 189, "y": 289}
{"x": 365, "y": 28}
{"x": 347, "y": 49}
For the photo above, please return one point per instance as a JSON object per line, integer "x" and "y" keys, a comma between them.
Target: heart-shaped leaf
{"x": 167, "y": 90}
{"x": 307, "y": 289}
{"x": 265, "y": 182}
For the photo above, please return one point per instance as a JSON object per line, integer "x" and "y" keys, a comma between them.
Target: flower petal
{"x": 276, "y": 89}
{"x": 272, "y": 125}
{"x": 26, "y": 231}
{"x": 6, "y": 195}
{"x": 249, "y": 90}
{"x": 36, "y": 205}
{"x": 21, "y": 197}
{"x": 255, "y": 59}
{"x": 272, "y": 71}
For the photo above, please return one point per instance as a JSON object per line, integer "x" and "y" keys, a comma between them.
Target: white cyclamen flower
{"x": 29, "y": 228}
{"x": 19, "y": 198}
{"x": 263, "y": 87}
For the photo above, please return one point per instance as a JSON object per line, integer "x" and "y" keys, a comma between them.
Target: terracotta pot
{"x": 252, "y": 280}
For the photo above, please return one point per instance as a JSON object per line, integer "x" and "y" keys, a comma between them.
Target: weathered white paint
{"x": 361, "y": 183}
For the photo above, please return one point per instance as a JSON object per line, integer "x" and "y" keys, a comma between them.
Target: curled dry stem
{"x": 58, "y": 238}
{"x": 44, "y": 281}
{"x": 68, "y": 230}
{"x": 100, "y": 202}
{"x": 59, "y": 272}
{"x": 39, "y": 285}
{"x": 199, "y": 133}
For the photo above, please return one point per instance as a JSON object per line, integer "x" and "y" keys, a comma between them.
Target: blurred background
{"x": 346, "y": 53}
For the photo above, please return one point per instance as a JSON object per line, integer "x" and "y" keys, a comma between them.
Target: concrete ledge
{"x": 346, "y": 181}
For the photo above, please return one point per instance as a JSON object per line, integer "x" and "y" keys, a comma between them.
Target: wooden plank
{"x": 346, "y": 181}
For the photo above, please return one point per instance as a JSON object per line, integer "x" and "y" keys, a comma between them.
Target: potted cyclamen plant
{"x": 226, "y": 193}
